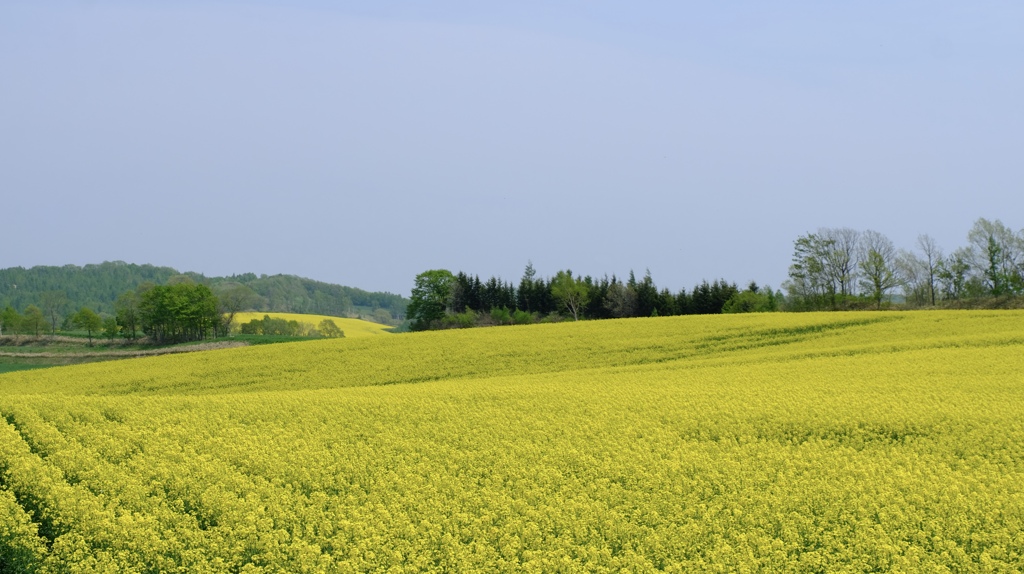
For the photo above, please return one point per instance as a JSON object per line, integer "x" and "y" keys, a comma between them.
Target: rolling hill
{"x": 97, "y": 286}
{"x": 797, "y": 442}
{"x": 351, "y": 327}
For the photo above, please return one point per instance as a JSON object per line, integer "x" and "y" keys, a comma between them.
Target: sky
{"x": 362, "y": 143}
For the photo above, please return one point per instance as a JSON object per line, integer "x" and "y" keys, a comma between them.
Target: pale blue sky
{"x": 363, "y": 143}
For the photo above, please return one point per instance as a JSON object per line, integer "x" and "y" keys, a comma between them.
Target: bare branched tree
{"x": 997, "y": 256}
{"x": 914, "y": 271}
{"x": 841, "y": 257}
{"x": 877, "y": 263}
{"x": 53, "y": 303}
{"x": 932, "y": 259}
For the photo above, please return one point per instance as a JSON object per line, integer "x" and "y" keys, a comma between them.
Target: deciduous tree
{"x": 87, "y": 319}
{"x": 33, "y": 320}
{"x": 932, "y": 257}
{"x": 127, "y": 309}
{"x": 110, "y": 328}
{"x": 841, "y": 258}
{"x": 571, "y": 292}
{"x": 953, "y": 273}
{"x": 179, "y": 312}
{"x": 53, "y": 304}
{"x": 10, "y": 321}
{"x": 809, "y": 282}
{"x": 233, "y": 298}
{"x": 329, "y": 329}
{"x": 997, "y": 256}
{"x": 430, "y": 298}
{"x": 877, "y": 263}
{"x": 913, "y": 270}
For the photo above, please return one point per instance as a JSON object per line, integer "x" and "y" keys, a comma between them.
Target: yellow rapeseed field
{"x": 846, "y": 442}
{"x": 351, "y": 327}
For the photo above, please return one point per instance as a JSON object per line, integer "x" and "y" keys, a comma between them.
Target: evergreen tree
{"x": 646, "y": 295}
{"x": 666, "y": 304}
{"x": 526, "y": 288}
{"x": 683, "y": 303}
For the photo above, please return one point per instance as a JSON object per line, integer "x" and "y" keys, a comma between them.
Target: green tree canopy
{"x": 328, "y": 328}
{"x": 753, "y": 300}
{"x": 10, "y": 321}
{"x": 570, "y": 292}
{"x": 127, "y": 309}
{"x": 430, "y": 298}
{"x": 110, "y": 328}
{"x": 33, "y": 320}
{"x": 87, "y": 319}
{"x": 179, "y": 312}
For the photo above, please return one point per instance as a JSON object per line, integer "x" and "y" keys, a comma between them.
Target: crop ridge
{"x": 501, "y": 350}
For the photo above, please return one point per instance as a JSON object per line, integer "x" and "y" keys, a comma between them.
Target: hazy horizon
{"x": 362, "y": 145}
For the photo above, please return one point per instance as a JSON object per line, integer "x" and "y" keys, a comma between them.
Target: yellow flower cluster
{"x": 797, "y": 442}
{"x": 351, "y": 327}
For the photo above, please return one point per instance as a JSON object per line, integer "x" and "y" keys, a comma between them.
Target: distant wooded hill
{"x": 97, "y": 286}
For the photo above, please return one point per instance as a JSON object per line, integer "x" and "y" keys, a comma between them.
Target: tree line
{"x": 842, "y": 268}
{"x": 442, "y": 299}
{"x": 173, "y": 313}
{"x": 832, "y": 269}
{"x": 268, "y": 325}
{"x": 180, "y": 311}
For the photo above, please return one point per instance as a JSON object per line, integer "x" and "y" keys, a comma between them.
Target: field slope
{"x": 351, "y": 327}
{"x": 798, "y": 442}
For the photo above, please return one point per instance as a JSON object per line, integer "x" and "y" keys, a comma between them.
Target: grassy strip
{"x": 26, "y": 354}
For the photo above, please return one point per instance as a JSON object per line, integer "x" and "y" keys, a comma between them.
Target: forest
{"x": 97, "y": 286}
{"x": 177, "y": 312}
{"x": 441, "y": 299}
